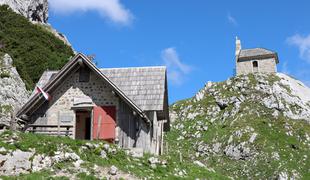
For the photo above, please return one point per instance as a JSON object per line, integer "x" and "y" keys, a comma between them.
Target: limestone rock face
{"x": 34, "y": 10}
{"x": 276, "y": 92}
{"x": 16, "y": 163}
{"x": 245, "y": 122}
{"x": 13, "y": 93}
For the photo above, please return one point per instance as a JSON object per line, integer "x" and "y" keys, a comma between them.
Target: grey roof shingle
{"x": 145, "y": 86}
{"x": 255, "y": 52}
{"x": 259, "y": 53}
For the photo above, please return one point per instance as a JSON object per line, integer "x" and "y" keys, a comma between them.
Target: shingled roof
{"x": 145, "y": 86}
{"x": 258, "y": 53}
{"x": 79, "y": 60}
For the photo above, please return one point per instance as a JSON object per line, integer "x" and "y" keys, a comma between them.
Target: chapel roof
{"x": 257, "y": 53}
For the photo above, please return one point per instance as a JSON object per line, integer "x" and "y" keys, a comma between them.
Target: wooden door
{"x": 82, "y": 126}
{"x": 104, "y": 123}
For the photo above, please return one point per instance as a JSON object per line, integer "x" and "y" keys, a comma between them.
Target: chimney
{"x": 238, "y": 47}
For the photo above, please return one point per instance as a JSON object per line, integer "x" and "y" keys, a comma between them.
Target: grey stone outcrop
{"x": 13, "y": 93}
{"x": 34, "y": 10}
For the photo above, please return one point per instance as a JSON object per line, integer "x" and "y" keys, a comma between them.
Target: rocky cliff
{"x": 248, "y": 127}
{"x": 13, "y": 92}
{"x": 34, "y": 10}
{"x": 32, "y": 46}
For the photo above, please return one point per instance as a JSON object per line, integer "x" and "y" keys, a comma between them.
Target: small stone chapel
{"x": 255, "y": 60}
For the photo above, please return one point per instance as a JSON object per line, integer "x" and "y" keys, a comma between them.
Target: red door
{"x": 104, "y": 123}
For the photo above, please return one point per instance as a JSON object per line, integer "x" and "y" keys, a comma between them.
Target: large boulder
{"x": 13, "y": 93}
{"x": 16, "y": 163}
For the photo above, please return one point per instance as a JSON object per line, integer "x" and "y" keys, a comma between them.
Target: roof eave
{"x": 69, "y": 66}
{"x": 265, "y": 56}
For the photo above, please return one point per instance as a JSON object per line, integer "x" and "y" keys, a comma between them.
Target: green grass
{"x": 31, "y": 46}
{"x": 85, "y": 176}
{"x": 35, "y": 176}
{"x": 140, "y": 167}
{"x": 272, "y": 137}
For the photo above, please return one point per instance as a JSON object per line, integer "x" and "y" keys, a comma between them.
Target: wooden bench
{"x": 54, "y": 130}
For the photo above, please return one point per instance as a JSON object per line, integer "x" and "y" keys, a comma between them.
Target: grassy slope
{"x": 272, "y": 137}
{"x": 138, "y": 166}
{"x": 31, "y": 46}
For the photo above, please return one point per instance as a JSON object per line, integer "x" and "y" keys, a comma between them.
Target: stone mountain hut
{"x": 125, "y": 106}
{"x": 255, "y": 60}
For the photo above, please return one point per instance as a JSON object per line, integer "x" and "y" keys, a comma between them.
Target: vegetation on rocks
{"x": 232, "y": 128}
{"x": 4, "y": 74}
{"x": 32, "y": 47}
{"x": 87, "y": 160}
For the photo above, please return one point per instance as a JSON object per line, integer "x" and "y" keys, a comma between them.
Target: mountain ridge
{"x": 250, "y": 126}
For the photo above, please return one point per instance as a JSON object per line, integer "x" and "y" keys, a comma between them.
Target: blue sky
{"x": 194, "y": 39}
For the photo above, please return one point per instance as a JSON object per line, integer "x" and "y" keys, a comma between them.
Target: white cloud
{"x": 111, "y": 9}
{"x": 232, "y": 20}
{"x": 176, "y": 69}
{"x": 303, "y": 44}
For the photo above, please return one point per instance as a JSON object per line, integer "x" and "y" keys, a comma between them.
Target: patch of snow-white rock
{"x": 291, "y": 97}
{"x": 298, "y": 88}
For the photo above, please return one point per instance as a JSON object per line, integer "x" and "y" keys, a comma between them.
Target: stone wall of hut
{"x": 264, "y": 66}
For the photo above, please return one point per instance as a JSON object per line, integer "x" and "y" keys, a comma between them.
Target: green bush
{"x": 31, "y": 46}
{"x": 5, "y": 75}
{"x": 5, "y": 108}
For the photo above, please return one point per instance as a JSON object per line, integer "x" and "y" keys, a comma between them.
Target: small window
{"x": 255, "y": 64}
{"x": 84, "y": 75}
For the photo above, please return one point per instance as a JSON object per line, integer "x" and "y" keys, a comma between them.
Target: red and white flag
{"x": 45, "y": 94}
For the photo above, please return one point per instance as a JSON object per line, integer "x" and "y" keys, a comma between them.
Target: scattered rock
{"x": 106, "y": 147}
{"x": 113, "y": 170}
{"x": 16, "y": 163}
{"x": 200, "y": 164}
{"x": 103, "y": 154}
{"x": 136, "y": 152}
{"x": 253, "y": 137}
{"x": 41, "y": 162}
{"x": 77, "y": 164}
{"x": 153, "y": 160}
{"x": 283, "y": 176}
{"x": 238, "y": 152}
